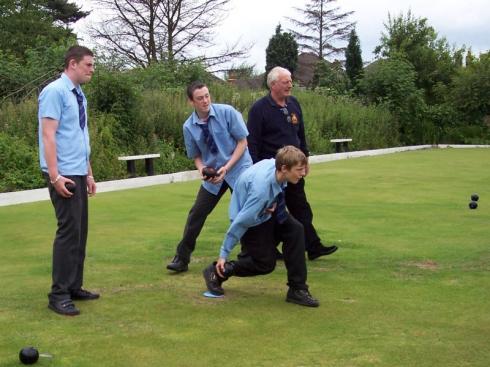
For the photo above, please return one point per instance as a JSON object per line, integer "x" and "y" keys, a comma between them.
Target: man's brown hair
{"x": 76, "y": 53}
{"x": 290, "y": 156}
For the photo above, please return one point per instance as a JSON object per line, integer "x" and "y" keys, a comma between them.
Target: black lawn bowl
{"x": 28, "y": 355}
{"x": 71, "y": 187}
{"x": 474, "y": 197}
{"x": 473, "y": 205}
{"x": 209, "y": 172}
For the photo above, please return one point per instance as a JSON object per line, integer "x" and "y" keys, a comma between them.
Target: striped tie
{"x": 281, "y": 213}
{"x": 81, "y": 108}
{"x": 208, "y": 138}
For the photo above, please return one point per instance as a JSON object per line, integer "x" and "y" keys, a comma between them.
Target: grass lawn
{"x": 409, "y": 286}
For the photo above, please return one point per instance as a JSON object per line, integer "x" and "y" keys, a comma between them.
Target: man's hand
{"x": 60, "y": 187}
{"x": 220, "y": 267}
{"x": 91, "y": 186}
{"x": 221, "y": 175}
{"x": 271, "y": 209}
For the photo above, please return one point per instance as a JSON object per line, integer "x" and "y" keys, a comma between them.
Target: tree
{"x": 33, "y": 38}
{"x": 353, "y": 58}
{"x": 392, "y": 82}
{"x": 330, "y": 75}
{"x": 324, "y": 26}
{"x": 29, "y": 24}
{"x": 282, "y": 50}
{"x": 413, "y": 39}
{"x": 471, "y": 89}
{"x": 64, "y": 11}
{"x": 143, "y": 32}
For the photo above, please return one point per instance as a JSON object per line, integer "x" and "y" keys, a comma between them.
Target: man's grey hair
{"x": 274, "y": 74}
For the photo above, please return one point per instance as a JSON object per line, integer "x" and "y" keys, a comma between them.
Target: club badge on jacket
{"x": 294, "y": 118}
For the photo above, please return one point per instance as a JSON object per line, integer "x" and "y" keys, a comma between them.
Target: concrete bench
{"x": 131, "y": 159}
{"x": 341, "y": 144}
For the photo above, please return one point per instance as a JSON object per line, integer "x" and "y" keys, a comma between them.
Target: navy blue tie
{"x": 208, "y": 138}
{"x": 281, "y": 213}
{"x": 81, "y": 108}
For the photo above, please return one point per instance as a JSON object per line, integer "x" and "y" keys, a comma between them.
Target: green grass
{"x": 409, "y": 286}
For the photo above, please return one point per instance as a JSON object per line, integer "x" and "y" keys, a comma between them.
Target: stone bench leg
{"x": 131, "y": 168}
{"x": 149, "y": 166}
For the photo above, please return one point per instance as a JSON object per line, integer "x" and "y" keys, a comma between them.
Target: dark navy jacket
{"x": 271, "y": 127}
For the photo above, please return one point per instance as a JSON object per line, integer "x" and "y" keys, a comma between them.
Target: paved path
{"x": 19, "y": 197}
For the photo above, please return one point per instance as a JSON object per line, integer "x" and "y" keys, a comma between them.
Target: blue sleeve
{"x": 237, "y": 126}
{"x": 50, "y": 104}
{"x": 190, "y": 144}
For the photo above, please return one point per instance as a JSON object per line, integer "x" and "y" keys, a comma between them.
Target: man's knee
{"x": 266, "y": 267}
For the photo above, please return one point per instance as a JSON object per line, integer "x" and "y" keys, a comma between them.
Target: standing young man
{"x": 274, "y": 121}
{"x": 64, "y": 151}
{"x": 215, "y": 137}
{"x": 259, "y": 220}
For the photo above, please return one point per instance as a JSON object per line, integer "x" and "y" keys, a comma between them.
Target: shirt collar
{"x": 273, "y": 103}
{"x": 69, "y": 84}
{"x": 197, "y": 120}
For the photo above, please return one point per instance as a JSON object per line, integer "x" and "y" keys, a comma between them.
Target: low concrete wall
{"x": 19, "y": 197}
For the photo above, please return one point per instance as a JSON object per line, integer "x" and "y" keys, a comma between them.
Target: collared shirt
{"x": 227, "y": 127}
{"x": 255, "y": 190}
{"x": 272, "y": 127}
{"x": 58, "y": 102}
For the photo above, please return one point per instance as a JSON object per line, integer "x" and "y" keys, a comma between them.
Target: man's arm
{"x": 50, "y": 126}
{"x": 254, "y": 126}
{"x": 91, "y": 185}
{"x": 301, "y": 133}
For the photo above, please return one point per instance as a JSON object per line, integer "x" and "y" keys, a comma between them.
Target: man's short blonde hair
{"x": 290, "y": 156}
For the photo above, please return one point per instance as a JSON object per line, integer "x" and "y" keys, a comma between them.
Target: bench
{"x": 131, "y": 159}
{"x": 341, "y": 143}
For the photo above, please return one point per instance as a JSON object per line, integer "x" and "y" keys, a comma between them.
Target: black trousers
{"x": 203, "y": 206}
{"x": 258, "y": 252}
{"x": 71, "y": 239}
{"x": 299, "y": 207}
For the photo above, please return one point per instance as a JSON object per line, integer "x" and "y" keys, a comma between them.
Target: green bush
{"x": 19, "y": 164}
{"x": 20, "y": 120}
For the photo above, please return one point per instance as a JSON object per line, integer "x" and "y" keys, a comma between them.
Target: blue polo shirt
{"x": 226, "y": 126}
{"x": 58, "y": 102}
{"x": 272, "y": 127}
{"x": 255, "y": 191}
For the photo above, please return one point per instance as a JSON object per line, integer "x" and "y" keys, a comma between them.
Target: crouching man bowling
{"x": 259, "y": 220}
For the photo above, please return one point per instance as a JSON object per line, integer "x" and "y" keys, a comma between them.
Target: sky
{"x": 461, "y": 22}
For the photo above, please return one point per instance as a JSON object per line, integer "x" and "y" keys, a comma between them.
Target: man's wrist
{"x": 55, "y": 180}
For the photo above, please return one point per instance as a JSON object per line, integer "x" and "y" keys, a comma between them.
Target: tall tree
{"x": 30, "y": 24}
{"x": 353, "y": 58}
{"x": 143, "y": 32}
{"x": 281, "y": 51}
{"x": 416, "y": 41}
{"x": 324, "y": 25}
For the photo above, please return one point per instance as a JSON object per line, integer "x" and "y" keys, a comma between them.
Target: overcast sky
{"x": 462, "y": 22}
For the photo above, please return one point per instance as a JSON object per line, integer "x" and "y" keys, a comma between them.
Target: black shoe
{"x": 64, "y": 307}
{"x": 178, "y": 265}
{"x": 301, "y": 297}
{"x": 83, "y": 295}
{"x": 321, "y": 250}
{"x": 213, "y": 280}
{"x": 279, "y": 255}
